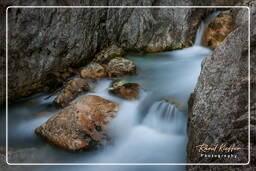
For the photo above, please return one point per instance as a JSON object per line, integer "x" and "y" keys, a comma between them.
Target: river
{"x": 147, "y": 130}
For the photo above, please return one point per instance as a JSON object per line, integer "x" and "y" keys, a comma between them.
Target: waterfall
{"x": 199, "y": 34}
{"x": 166, "y": 117}
{"x": 203, "y": 25}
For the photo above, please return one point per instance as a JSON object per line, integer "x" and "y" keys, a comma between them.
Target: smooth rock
{"x": 80, "y": 125}
{"x": 48, "y": 40}
{"x": 119, "y": 67}
{"x": 129, "y": 91}
{"x": 93, "y": 71}
{"x": 71, "y": 91}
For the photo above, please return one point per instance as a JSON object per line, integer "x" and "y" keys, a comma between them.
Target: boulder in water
{"x": 80, "y": 125}
{"x": 119, "y": 67}
{"x": 129, "y": 91}
{"x": 109, "y": 53}
{"x": 93, "y": 71}
{"x": 71, "y": 91}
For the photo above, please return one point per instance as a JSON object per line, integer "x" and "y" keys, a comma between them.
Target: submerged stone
{"x": 129, "y": 91}
{"x": 80, "y": 125}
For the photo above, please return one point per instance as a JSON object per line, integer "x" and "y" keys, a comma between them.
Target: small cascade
{"x": 165, "y": 117}
{"x": 201, "y": 29}
{"x": 199, "y": 34}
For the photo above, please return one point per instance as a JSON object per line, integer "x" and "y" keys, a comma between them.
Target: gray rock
{"x": 42, "y": 41}
{"x": 218, "y": 109}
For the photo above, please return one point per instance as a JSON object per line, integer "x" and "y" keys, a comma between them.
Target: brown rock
{"x": 107, "y": 54}
{"x": 119, "y": 67}
{"x": 93, "y": 71}
{"x": 71, "y": 91}
{"x": 218, "y": 29}
{"x": 129, "y": 91}
{"x": 80, "y": 125}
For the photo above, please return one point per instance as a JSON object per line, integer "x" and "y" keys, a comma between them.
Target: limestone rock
{"x": 119, "y": 67}
{"x": 80, "y": 125}
{"x": 93, "y": 71}
{"x": 218, "y": 110}
{"x": 43, "y": 40}
{"x": 107, "y": 54}
{"x": 71, "y": 91}
{"x": 129, "y": 91}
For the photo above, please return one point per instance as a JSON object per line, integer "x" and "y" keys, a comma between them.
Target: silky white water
{"x": 147, "y": 130}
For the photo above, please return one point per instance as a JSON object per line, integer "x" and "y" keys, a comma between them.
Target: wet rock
{"x": 218, "y": 29}
{"x": 175, "y": 102}
{"x": 71, "y": 91}
{"x": 119, "y": 67}
{"x": 80, "y": 125}
{"x": 93, "y": 71}
{"x": 107, "y": 54}
{"x": 129, "y": 91}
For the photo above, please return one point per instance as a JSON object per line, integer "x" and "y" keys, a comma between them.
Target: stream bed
{"x": 152, "y": 129}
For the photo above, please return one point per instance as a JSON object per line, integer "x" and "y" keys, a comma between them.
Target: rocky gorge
{"x": 217, "y": 110}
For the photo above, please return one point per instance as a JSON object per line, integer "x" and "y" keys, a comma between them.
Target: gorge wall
{"x": 218, "y": 111}
{"x": 42, "y": 41}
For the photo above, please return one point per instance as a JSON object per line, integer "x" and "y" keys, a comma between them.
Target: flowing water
{"x": 151, "y": 129}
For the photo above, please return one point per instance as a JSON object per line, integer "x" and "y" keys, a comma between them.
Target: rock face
{"x": 119, "y": 67}
{"x": 80, "y": 125}
{"x": 71, "y": 91}
{"x": 129, "y": 91}
{"x": 218, "y": 112}
{"x": 218, "y": 29}
{"x": 42, "y": 41}
{"x": 93, "y": 71}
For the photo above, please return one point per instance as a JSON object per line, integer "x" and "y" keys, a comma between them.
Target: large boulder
{"x": 218, "y": 109}
{"x": 93, "y": 71}
{"x": 80, "y": 125}
{"x": 129, "y": 91}
{"x": 119, "y": 67}
{"x": 71, "y": 91}
{"x": 46, "y": 40}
